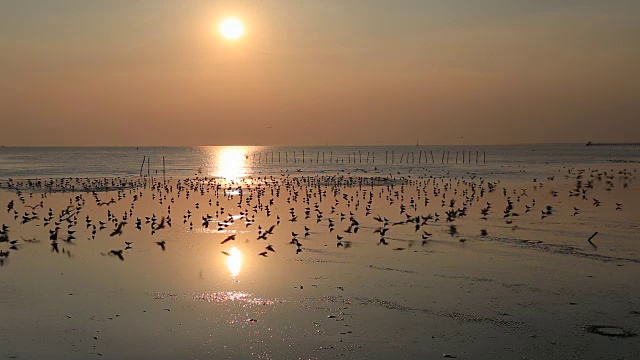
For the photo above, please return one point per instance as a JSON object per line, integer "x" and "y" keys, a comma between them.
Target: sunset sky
{"x": 123, "y": 72}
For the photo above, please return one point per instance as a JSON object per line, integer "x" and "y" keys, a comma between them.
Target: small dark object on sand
{"x": 592, "y": 236}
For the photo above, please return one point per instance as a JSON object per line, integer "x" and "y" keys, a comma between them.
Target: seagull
{"x": 229, "y": 238}
{"x": 118, "y": 230}
{"x": 117, "y": 253}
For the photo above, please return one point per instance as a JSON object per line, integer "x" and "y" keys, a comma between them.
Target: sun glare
{"x": 234, "y": 261}
{"x": 231, "y": 28}
{"x": 231, "y": 163}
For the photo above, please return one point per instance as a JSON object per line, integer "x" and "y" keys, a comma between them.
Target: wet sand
{"x": 533, "y": 287}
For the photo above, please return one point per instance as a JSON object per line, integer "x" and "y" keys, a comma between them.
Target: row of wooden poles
{"x": 148, "y": 160}
{"x": 390, "y": 157}
{"x": 352, "y": 157}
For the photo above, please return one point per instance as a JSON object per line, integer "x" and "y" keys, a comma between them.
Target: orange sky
{"x": 119, "y": 72}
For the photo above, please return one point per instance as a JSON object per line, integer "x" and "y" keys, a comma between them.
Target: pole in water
{"x": 485, "y": 157}
{"x": 144, "y": 158}
{"x": 164, "y": 170}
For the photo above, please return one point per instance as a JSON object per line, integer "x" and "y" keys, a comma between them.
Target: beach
{"x": 285, "y": 179}
{"x": 360, "y": 265}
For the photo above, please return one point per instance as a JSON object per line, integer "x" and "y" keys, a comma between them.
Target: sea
{"x": 497, "y": 161}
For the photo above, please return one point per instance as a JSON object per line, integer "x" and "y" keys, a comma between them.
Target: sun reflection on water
{"x": 234, "y": 261}
{"x": 232, "y": 162}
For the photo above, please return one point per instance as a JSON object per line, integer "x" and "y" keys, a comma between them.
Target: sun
{"x": 231, "y": 28}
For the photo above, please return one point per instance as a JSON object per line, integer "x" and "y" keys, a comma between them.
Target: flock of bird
{"x": 325, "y": 209}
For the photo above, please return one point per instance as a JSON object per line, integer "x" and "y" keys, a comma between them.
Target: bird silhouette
{"x": 117, "y": 253}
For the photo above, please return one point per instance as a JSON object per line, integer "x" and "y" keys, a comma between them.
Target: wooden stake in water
{"x": 164, "y": 170}
{"x": 144, "y": 158}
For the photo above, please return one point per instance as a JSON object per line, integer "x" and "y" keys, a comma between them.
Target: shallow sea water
{"x": 533, "y": 288}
